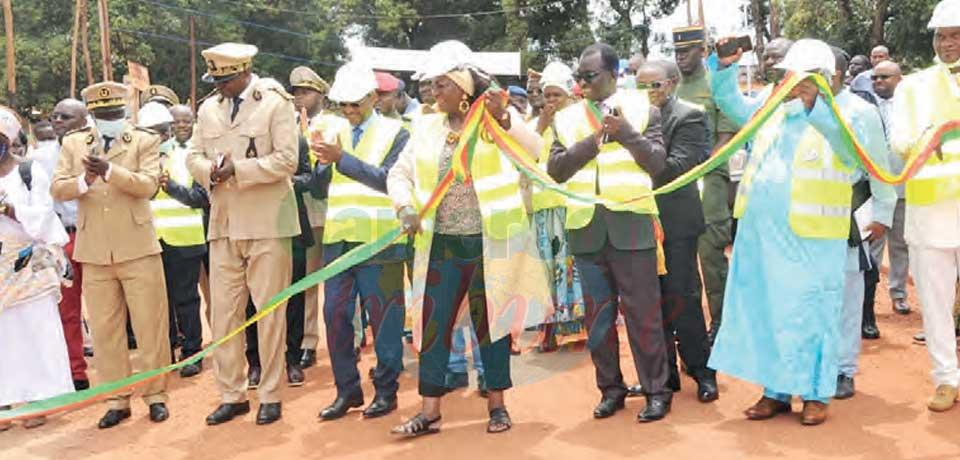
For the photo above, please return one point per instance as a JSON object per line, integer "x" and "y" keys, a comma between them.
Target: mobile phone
{"x": 730, "y": 47}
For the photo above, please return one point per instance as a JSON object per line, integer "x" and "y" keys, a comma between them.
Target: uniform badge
{"x": 257, "y": 96}
{"x": 91, "y": 139}
{"x": 127, "y": 138}
{"x": 104, "y": 92}
{"x": 153, "y": 91}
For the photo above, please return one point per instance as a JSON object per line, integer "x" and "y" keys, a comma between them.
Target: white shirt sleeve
{"x": 82, "y": 184}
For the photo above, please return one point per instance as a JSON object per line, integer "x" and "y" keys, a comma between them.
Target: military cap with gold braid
{"x": 105, "y": 95}
{"x": 305, "y": 77}
{"x": 161, "y": 94}
{"x": 227, "y": 61}
{"x": 685, "y": 37}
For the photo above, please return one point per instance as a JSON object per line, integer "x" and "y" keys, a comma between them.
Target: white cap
{"x": 153, "y": 114}
{"x": 9, "y": 124}
{"x": 558, "y": 75}
{"x": 946, "y": 14}
{"x": 354, "y": 81}
{"x": 444, "y": 57}
{"x": 809, "y": 55}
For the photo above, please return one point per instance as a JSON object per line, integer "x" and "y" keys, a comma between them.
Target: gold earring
{"x": 464, "y": 105}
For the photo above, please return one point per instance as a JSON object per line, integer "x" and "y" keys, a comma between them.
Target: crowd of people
{"x": 146, "y": 213}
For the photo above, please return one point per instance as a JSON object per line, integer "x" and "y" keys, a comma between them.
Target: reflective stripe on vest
{"x": 177, "y": 224}
{"x": 820, "y": 186}
{"x": 932, "y": 97}
{"x": 543, "y": 198}
{"x": 623, "y": 185}
{"x": 355, "y": 212}
{"x": 495, "y": 180}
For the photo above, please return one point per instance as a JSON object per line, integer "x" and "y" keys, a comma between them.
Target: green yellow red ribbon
{"x": 477, "y": 119}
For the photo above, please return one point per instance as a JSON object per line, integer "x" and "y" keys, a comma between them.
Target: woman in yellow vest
{"x": 477, "y": 243}
{"x": 550, "y": 213}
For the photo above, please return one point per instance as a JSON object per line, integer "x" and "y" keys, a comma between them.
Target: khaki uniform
{"x": 253, "y": 215}
{"x": 117, "y": 245}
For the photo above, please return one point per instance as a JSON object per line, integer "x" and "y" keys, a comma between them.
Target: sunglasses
{"x": 587, "y": 77}
{"x": 354, "y": 105}
{"x": 653, "y": 85}
{"x": 876, "y": 77}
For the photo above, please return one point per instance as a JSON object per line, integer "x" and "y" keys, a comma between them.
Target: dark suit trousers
{"x": 295, "y": 315}
{"x": 181, "y": 269}
{"x": 682, "y": 312}
{"x": 629, "y": 276}
{"x": 380, "y": 289}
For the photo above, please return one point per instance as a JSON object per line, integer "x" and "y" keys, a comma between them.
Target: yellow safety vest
{"x": 613, "y": 176}
{"x": 924, "y": 101}
{"x": 356, "y": 212}
{"x": 820, "y": 188}
{"x": 495, "y": 180}
{"x": 177, "y": 224}
{"x": 543, "y": 198}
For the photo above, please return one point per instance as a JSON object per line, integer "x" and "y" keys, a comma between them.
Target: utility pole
{"x": 73, "y": 50}
{"x": 11, "y": 54}
{"x": 193, "y": 65}
{"x": 105, "y": 40}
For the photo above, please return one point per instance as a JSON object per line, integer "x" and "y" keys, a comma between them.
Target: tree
{"x": 622, "y": 33}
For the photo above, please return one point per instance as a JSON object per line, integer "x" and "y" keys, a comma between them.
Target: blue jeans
{"x": 458, "y": 351}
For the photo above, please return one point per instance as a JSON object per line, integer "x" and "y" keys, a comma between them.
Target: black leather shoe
{"x": 608, "y": 407}
{"x": 308, "y": 359}
{"x": 80, "y": 385}
{"x": 673, "y": 382}
{"x": 634, "y": 391}
{"x": 900, "y": 307}
{"x": 268, "y": 413}
{"x": 707, "y": 390}
{"x": 845, "y": 387}
{"x": 341, "y": 405}
{"x": 227, "y": 411}
{"x": 159, "y": 412}
{"x": 253, "y": 378}
{"x": 191, "y": 370}
{"x": 870, "y": 332}
{"x": 380, "y": 406}
{"x": 113, "y": 417}
{"x": 294, "y": 376}
{"x": 657, "y": 408}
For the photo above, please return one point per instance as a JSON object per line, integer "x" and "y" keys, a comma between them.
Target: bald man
{"x": 69, "y": 115}
{"x": 879, "y": 54}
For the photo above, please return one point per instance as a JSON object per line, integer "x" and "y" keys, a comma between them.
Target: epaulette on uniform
{"x": 146, "y": 130}
{"x": 691, "y": 104}
{"x": 208, "y": 96}
{"x": 78, "y": 130}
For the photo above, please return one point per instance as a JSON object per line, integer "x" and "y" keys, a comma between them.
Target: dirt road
{"x": 551, "y": 408}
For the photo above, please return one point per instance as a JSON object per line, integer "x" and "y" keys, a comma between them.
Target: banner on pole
{"x": 139, "y": 76}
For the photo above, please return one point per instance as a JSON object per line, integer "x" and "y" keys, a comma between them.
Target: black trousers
{"x": 182, "y": 272}
{"x": 455, "y": 272}
{"x": 294, "y": 318}
{"x": 626, "y": 280}
{"x": 683, "y": 313}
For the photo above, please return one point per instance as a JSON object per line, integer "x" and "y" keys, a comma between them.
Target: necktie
{"x": 236, "y": 107}
{"x": 107, "y": 140}
{"x": 357, "y": 132}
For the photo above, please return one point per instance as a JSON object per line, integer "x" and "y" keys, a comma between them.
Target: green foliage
{"x": 848, "y": 24}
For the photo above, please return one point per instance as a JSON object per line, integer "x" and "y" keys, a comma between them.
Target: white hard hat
{"x": 444, "y": 57}
{"x": 946, "y": 14}
{"x": 153, "y": 114}
{"x": 559, "y": 75}
{"x": 809, "y": 55}
{"x": 354, "y": 81}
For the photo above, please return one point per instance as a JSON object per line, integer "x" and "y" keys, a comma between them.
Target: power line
{"x": 384, "y": 16}
{"x": 196, "y": 12}
{"x": 175, "y": 38}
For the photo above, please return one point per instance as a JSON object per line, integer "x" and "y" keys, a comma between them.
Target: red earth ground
{"x": 551, "y": 407}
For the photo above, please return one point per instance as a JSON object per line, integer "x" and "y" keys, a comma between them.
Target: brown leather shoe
{"x": 814, "y": 413}
{"x": 767, "y": 408}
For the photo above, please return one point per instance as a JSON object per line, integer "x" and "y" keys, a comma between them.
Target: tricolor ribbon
{"x": 477, "y": 119}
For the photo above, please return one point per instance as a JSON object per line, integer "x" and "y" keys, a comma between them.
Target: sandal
{"x": 418, "y": 425}
{"x": 499, "y": 421}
